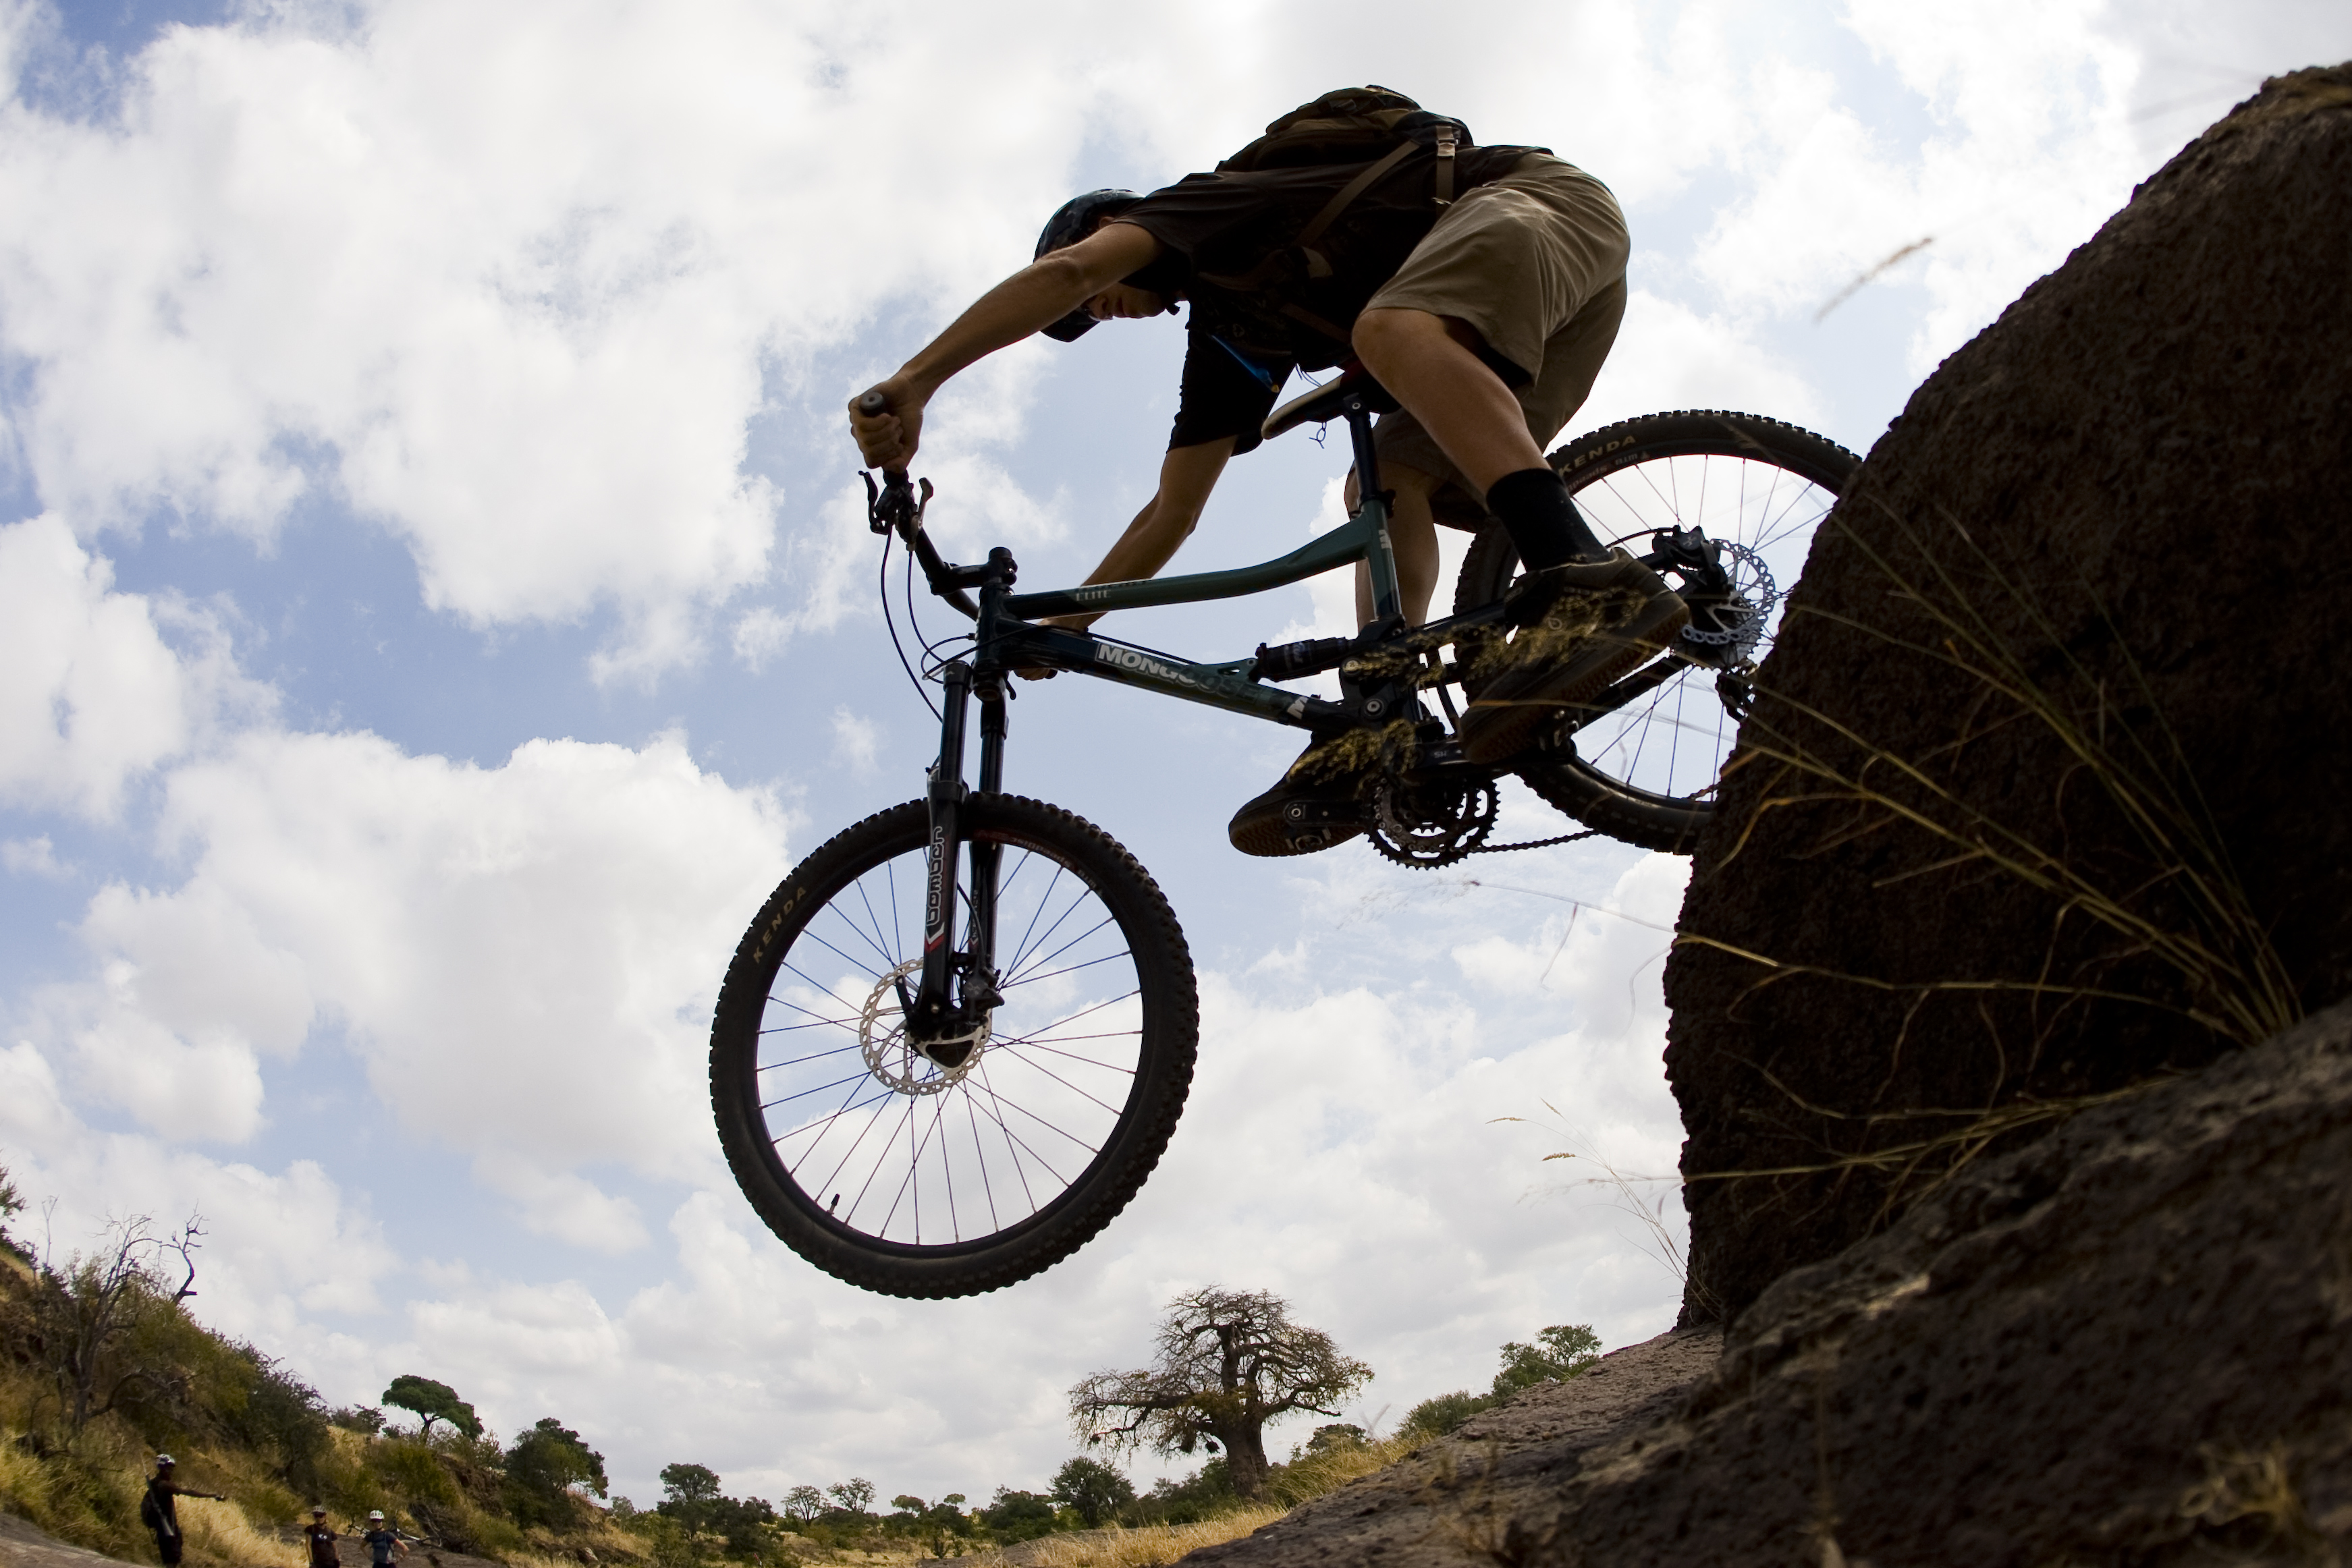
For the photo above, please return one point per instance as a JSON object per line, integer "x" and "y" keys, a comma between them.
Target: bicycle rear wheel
{"x": 885, "y": 1167}
{"x": 1647, "y": 772}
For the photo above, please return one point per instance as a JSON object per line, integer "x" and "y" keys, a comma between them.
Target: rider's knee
{"x": 1379, "y": 333}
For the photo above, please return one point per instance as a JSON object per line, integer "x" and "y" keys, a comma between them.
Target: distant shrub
{"x": 1441, "y": 1416}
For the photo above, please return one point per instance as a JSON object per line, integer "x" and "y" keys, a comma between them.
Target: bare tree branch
{"x": 1228, "y": 1362}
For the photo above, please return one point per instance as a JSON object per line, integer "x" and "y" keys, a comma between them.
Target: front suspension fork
{"x": 936, "y": 1014}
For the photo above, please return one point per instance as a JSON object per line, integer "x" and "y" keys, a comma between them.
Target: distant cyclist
{"x": 382, "y": 1542}
{"x": 159, "y": 1509}
{"x": 1481, "y": 286}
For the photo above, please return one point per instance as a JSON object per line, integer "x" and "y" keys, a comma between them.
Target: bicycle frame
{"x": 1006, "y": 639}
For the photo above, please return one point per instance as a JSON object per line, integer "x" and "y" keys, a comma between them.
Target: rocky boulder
{"x": 2044, "y": 794}
{"x": 2123, "y": 1345}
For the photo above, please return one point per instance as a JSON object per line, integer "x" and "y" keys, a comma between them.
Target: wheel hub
{"x": 898, "y": 1062}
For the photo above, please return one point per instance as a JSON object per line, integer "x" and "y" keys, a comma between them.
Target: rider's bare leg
{"x": 1413, "y": 535}
{"x": 1430, "y": 363}
{"x": 1427, "y": 362}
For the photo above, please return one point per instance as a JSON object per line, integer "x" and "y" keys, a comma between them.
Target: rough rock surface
{"x": 24, "y": 1544}
{"x": 2134, "y": 486}
{"x": 1456, "y": 1501}
{"x": 2125, "y": 1344}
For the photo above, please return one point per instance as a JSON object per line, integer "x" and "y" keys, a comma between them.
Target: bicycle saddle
{"x": 1325, "y": 402}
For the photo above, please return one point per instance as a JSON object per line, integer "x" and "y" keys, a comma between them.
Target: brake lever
{"x": 895, "y": 504}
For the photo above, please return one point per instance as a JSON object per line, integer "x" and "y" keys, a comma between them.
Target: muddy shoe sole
{"x": 1295, "y": 819}
{"x": 1520, "y": 704}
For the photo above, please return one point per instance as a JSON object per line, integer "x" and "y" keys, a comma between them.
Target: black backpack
{"x": 1350, "y": 125}
{"x": 1375, "y": 126}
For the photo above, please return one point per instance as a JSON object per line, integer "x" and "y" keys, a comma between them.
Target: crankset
{"x": 1431, "y": 825}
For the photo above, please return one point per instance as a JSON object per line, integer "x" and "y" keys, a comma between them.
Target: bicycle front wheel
{"x": 1647, "y": 771}
{"x": 898, "y": 1174}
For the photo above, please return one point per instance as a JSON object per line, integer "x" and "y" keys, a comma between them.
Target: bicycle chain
{"x": 1536, "y": 843}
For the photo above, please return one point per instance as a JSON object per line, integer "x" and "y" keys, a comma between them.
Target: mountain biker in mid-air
{"x": 1482, "y": 287}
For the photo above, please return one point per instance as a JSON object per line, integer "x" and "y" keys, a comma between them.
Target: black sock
{"x": 1542, "y": 520}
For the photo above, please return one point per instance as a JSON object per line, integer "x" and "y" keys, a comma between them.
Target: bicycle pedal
{"x": 1321, "y": 814}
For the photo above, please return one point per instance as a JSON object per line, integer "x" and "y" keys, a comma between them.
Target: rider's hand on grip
{"x": 886, "y": 421}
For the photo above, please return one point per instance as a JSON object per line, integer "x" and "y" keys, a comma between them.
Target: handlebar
{"x": 895, "y": 506}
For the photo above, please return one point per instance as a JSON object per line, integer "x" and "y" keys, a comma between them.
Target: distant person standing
{"x": 321, "y": 1540}
{"x": 159, "y": 1510}
{"x": 381, "y": 1542}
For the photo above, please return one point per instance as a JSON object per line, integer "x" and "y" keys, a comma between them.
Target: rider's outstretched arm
{"x": 1033, "y": 297}
{"x": 1187, "y": 475}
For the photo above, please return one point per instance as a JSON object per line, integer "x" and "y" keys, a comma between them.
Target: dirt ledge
{"x": 1454, "y": 1502}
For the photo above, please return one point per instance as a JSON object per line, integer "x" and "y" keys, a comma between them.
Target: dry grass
{"x": 1310, "y": 1476}
{"x": 217, "y": 1532}
{"x": 2203, "y": 928}
{"x": 1355, "y": 750}
{"x": 1304, "y": 1479}
{"x": 2181, "y": 905}
{"x": 2258, "y": 1489}
{"x": 1145, "y": 1548}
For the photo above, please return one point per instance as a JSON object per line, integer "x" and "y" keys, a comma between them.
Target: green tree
{"x": 853, "y": 1496}
{"x": 1561, "y": 1351}
{"x": 1227, "y": 1363}
{"x": 1094, "y": 1489}
{"x": 546, "y": 1467}
{"x": 802, "y": 1504}
{"x": 1205, "y": 1493}
{"x": 11, "y": 1204}
{"x": 430, "y": 1402}
{"x": 936, "y": 1524}
{"x": 1444, "y": 1413}
{"x": 688, "y": 1494}
{"x": 1333, "y": 1437}
{"x": 1020, "y": 1515}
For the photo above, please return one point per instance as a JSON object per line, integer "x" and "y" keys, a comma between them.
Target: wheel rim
{"x": 1669, "y": 744}
{"x": 900, "y": 1149}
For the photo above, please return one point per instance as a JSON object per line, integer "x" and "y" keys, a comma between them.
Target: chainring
{"x": 1429, "y": 827}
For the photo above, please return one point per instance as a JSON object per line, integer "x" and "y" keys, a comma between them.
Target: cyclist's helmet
{"x": 1073, "y": 220}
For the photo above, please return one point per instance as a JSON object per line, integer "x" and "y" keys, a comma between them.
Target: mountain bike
{"x": 957, "y": 1038}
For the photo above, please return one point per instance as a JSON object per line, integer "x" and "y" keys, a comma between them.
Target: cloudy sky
{"x": 435, "y": 611}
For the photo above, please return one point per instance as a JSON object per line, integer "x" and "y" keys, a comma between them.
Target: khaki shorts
{"x": 1535, "y": 262}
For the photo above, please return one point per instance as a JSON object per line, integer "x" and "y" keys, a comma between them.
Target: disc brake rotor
{"x": 1737, "y": 622}
{"x": 898, "y": 1062}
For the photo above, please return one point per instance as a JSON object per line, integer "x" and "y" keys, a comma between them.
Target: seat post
{"x": 1360, "y": 437}
{"x": 1388, "y": 601}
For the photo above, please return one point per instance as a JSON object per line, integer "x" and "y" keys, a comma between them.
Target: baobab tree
{"x": 1226, "y": 1363}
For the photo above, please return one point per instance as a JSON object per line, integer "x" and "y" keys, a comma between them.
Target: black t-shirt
{"x": 1241, "y": 347}
{"x": 322, "y": 1545}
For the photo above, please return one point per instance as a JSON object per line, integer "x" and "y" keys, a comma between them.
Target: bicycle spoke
{"x": 1072, "y": 969}
{"x": 1037, "y": 1107}
{"x": 1065, "y": 1083}
{"x": 987, "y": 1188}
{"x": 1074, "y": 1056}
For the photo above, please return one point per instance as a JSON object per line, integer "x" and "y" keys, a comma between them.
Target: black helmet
{"x": 1073, "y": 220}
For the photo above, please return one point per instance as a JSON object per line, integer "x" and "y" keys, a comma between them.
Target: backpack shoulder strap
{"x": 1318, "y": 264}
